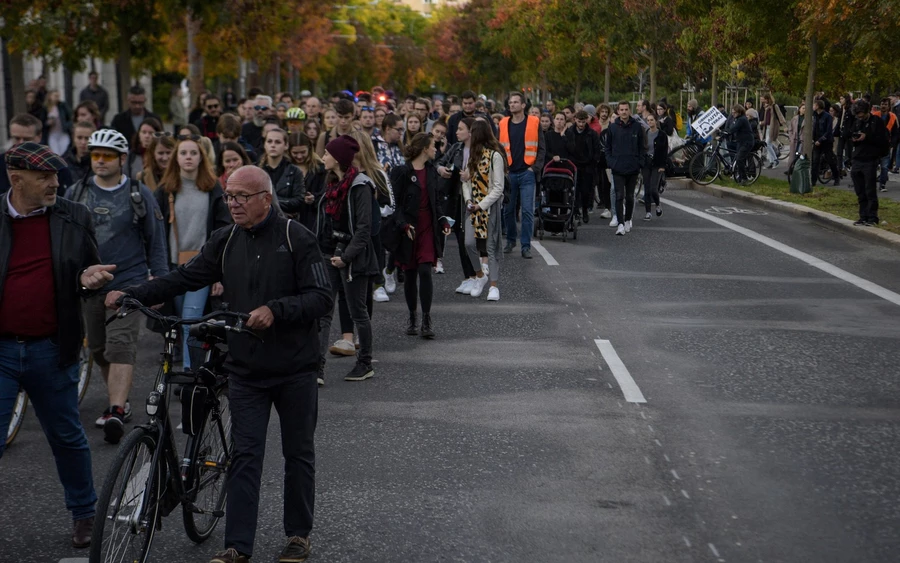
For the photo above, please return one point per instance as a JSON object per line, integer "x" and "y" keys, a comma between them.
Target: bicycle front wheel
{"x": 128, "y": 507}
{"x": 18, "y": 415}
{"x": 704, "y": 167}
{"x": 212, "y": 457}
{"x": 84, "y": 370}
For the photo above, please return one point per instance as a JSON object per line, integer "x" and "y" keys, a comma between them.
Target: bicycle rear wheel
{"x": 18, "y": 415}
{"x": 704, "y": 167}
{"x": 752, "y": 168}
{"x": 212, "y": 457}
{"x": 128, "y": 507}
{"x": 783, "y": 146}
{"x": 84, "y": 370}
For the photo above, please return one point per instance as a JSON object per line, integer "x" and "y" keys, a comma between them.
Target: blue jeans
{"x": 885, "y": 166}
{"x": 190, "y": 306}
{"x": 522, "y": 185}
{"x": 53, "y": 391}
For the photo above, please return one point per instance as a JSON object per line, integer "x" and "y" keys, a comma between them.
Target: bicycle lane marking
{"x": 545, "y": 254}
{"x": 629, "y": 387}
{"x": 809, "y": 259}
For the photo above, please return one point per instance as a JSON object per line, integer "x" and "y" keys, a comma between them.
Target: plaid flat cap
{"x": 33, "y": 156}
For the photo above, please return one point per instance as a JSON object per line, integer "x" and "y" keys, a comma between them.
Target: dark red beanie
{"x": 343, "y": 149}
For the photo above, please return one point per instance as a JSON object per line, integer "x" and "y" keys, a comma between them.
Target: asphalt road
{"x": 769, "y": 431}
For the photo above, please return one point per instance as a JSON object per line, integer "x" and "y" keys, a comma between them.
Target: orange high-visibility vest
{"x": 532, "y": 130}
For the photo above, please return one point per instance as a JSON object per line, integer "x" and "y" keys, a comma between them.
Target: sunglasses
{"x": 162, "y": 134}
{"x": 367, "y": 108}
{"x": 188, "y": 137}
{"x": 212, "y": 106}
{"x": 260, "y": 108}
{"x": 104, "y": 156}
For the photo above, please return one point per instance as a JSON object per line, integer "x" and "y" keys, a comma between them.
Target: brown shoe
{"x": 230, "y": 555}
{"x": 81, "y": 535}
{"x": 296, "y": 551}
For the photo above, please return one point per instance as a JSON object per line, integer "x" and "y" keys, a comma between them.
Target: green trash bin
{"x": 801, "y": 182}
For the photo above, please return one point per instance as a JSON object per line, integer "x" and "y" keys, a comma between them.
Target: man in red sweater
{"x": 48, "y": 261}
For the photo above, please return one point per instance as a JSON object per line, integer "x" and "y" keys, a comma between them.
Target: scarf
{"x": 336, "y": 194}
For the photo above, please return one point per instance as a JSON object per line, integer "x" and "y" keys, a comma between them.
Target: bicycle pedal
{"x": 218, "y": 513}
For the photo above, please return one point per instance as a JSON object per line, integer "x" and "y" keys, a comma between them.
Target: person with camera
{"x": 285, "y": 289}
{"x": 870, "y": 143}
{"x": 344, "y": 232}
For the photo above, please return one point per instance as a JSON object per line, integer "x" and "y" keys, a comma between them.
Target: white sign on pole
{"x": 707, "y": 122}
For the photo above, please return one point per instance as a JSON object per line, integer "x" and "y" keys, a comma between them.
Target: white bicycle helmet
{"x": 108, "y": 139}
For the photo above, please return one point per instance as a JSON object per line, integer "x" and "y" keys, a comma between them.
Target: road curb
{"x": 829, "y": 219}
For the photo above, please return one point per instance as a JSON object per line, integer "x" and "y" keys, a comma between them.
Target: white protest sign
{"x": 708, "y": 122}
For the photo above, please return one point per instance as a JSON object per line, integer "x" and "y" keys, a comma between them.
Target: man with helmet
{"x": 295, "y": 119}
{"x": 131, "y": 235}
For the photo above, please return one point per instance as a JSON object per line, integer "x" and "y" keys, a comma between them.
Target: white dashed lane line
{"x": 545, "y": 254}
{"x": 630, "y": 389}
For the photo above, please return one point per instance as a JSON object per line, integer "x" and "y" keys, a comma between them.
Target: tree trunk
{"x": 578, "y": 80}
{"x": 195, "y": 59}
{"x": 606, "y": 79}
{"x": 17, "y": 79}
{"x": 714, "y": 88}
{"x": 810, "y": 92}
{"x": 653, "y": 74}
{"x": 124, "y": 66}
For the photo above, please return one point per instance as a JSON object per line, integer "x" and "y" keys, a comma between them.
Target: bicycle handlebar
{"x": 128, "y": 305}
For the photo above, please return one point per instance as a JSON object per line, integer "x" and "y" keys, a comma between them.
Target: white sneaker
{"x": 439, "y": 267}
{"x": 390, "y": 281}
{"x": 620, "y": 230}
{"x": 343, "y": 348}
{"x": 606, "y": 214}
{"x": 478, "y": 286}
{"x": 494, "y": 294}
{"x": 380, "y": 295}
{"x": 466, "y": 286}
{"x": 486, "y": 270}
{"x": 647, "y": 216}
{"x": 614, "y": 222}
{"x": 627, "y": 226}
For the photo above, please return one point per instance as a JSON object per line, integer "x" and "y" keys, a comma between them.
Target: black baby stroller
{"x": 556, "y": 210}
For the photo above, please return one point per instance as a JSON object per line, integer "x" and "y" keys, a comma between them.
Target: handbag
{"x": 184, "y": 256}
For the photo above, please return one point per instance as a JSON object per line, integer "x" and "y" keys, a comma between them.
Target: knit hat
{"x": 343, "y": 149}
{"x": 591, "y": 110}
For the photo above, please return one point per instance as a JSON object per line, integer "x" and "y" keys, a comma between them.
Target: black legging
{"x": 411, "y": 288}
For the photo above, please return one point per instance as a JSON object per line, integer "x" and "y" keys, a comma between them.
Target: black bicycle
{"x": 148, "y": 479}
{"x": 705, "y": 166}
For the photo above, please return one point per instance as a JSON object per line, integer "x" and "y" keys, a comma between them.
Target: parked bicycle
{"x": 148, "y": 479}
{"x": 20, "y": 407}
{"x": 716, "y": 159}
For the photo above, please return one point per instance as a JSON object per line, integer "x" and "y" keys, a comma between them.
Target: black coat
{"x": 583, "y": 148}
{"x": 660, "y": 151}
{"x": 625, "y": 147}
{"x": 73, "y": 248}
{"x": 265, "y": 265}
{"x": 218, "y": 215}
{"x": 122, "y": 123}
{"x": 314, "y": 183}
{"x": 356, "y": 220}
{"x": 450, "y": 189}
{"x": 289, "y": 187}
{"x": 742, "y": 133}
{"x": 407, "y": 194}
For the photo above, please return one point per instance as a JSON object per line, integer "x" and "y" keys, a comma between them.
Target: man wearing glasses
{"x": 422, "y": 108}
{"x": 252, "y": 131}
{"x": 207, "y": 123}
{"x": 135, "y": 245}
{"x": 128, "y": 122}
{"x": 285, "y": 289}
{"x": 390, "y": 153}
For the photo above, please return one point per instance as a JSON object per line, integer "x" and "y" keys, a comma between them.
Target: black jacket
{"x": 742, "y": 132}
{"x": 407, "y": 194}
{"x": 625, "y": 147}
{"x": 259, "y": 266}
{"x": 583, "y": 148}
{"x": 660, "y": 151}
{"x": 556, "y": 145}
{"x": 73, "y": 248}
{"x": 356, "y": 221}
{"x": 450, "y": 189}
{"x": 218, "y": 215}
{"x": 78, "y": 168}
{"x": 122, "y": 123}
{"x": 288, "y": 185}
{"x": 823, "y": 128}
{"x": 314, "y": 183}
{"x": 875, "y": 145}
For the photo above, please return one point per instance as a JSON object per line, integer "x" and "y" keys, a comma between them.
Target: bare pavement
{"x": 719, "y": 385}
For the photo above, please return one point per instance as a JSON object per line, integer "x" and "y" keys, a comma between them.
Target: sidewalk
{"x": 893, "y": 183}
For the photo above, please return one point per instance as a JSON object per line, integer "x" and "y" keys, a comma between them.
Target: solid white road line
{"x": 809, "y": 259}
{"x": 548, "y": 258}
{"x": 629, "y": 388}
